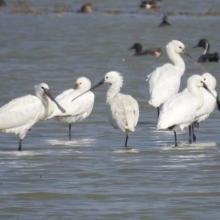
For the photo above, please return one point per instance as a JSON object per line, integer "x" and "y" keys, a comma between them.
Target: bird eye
{"x": 80, "y": 83}
{"x": 106, "y": 77}
{"x": 204, "y": 79}
{"x": 180, "y": 47}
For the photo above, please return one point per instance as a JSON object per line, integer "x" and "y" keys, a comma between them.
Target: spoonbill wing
{"x": 21, "y": 111}
{"x": 125, "y": 112}
{"x": 81, "y": 105}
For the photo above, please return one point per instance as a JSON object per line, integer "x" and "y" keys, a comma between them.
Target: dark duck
{"x": 150, "y": 4}
{"x": 206, "y": 55}
{"x": 86, "y": 8}
{"x": 138, "y": 50}
{"x": 164, "y": 21}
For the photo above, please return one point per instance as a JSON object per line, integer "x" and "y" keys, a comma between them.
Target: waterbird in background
{"x": 2, "y": 3}
{"x": 78, "y": 110}
{"x": 86, "y": 8}
{"x": 124, "y": 108}
{"x": 210, "y": 99}
{"x": 180, "y": 111}
{"x": 164, "y": 81}
{"x": 150, "y": 4}
{"x": 206, "y": 55}
{"x": 164, "y": 21}
{"x": 138, "y": 48}
{"x": 20, "y": 114}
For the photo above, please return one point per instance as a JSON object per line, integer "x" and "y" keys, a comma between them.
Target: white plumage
{"x": 209, "y": 103}
{"x": 125, "y": 112}
{"x": 164, "y": 81}
{"x": 20, "y": 114}
{"x": 124, "y": 108}
{"x": 78, "y": 109}
{"x": 180, "y": 110}
{"x": 208, "y": 106}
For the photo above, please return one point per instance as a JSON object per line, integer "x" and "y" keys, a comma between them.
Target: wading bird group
{"x": 176, "y": 110}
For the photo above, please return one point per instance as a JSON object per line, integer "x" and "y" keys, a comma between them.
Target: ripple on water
{"x": 42, "y": 196}
{"x": 73, "y": 143}
{"x": 194, "y": 146}
{"x": 17, "y": 153}
{"x": 127, "y": 151}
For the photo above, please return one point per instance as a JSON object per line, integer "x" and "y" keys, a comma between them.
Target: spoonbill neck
{"x": 197, "y": 92}
{"x": 177, "y": 60}
{"x": 48, "y": 104}
{"x": 113, "y": 91}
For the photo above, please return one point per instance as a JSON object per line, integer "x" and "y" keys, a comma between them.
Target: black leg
{"x": 175, "y": 138}
{"x": 158, "y": 112}
{"x": 196, "y": 124}
{"x": 190, "y": 134}
{"x": 126, "y": 141}
{"x": 193, "y": 133}
{"x": 20, "y": 145}
{"x": 70, "y": 136}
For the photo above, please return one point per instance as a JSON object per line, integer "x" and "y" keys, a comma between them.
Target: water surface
{"x": 92, "y": 177}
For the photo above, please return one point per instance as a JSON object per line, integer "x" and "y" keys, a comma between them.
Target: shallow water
{"x": 93, "y": 177}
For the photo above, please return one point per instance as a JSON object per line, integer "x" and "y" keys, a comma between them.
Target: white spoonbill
{"x": 124, "y": 108}
{"x": 180, "y": 110}
{"x": 164, "y": 81}
{"x": 20, "y": 114}
{"x": 210, "y": 100}
{"x": 78, "y": 110}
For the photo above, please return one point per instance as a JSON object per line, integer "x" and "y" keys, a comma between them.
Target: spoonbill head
{"x": 82, "y": 84}
{"x": 20, "y": 114}
{"x": 114, "y": 78}
{"x": 40, "y": 89}
{"x": 175, "y": 46}
{"x": 209, "y": 80}
{"x": 193, "y": 83}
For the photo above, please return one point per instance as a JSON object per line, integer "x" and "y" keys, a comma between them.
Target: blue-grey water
{"x": 91, "y": 177}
